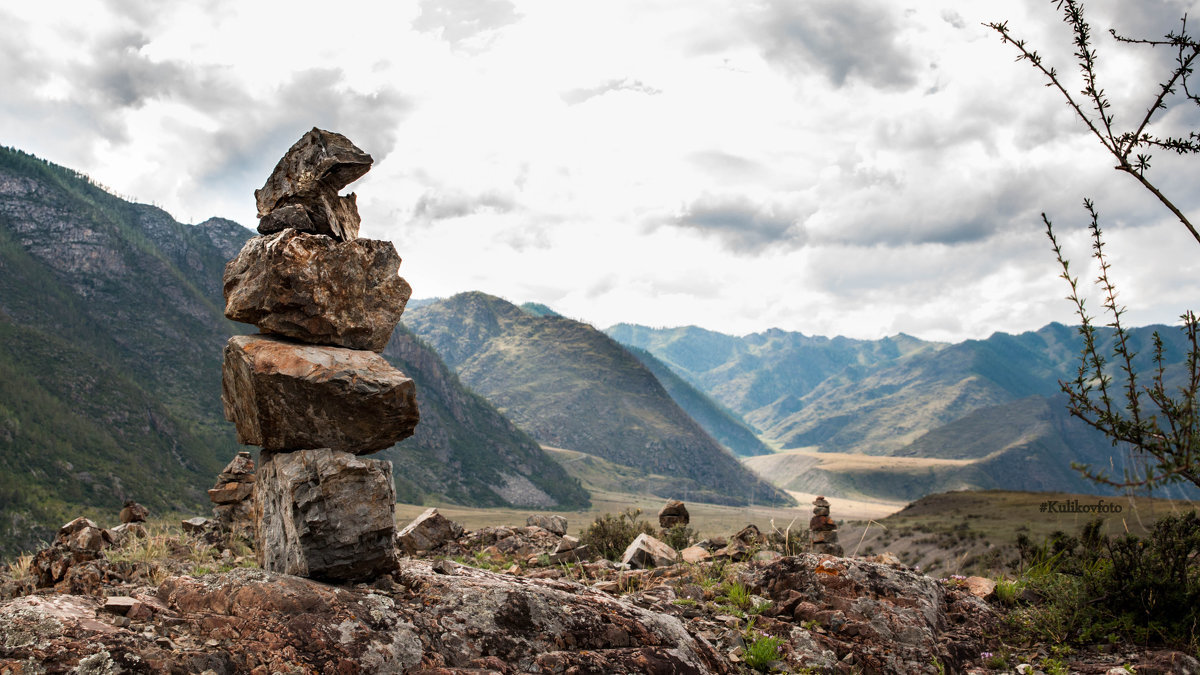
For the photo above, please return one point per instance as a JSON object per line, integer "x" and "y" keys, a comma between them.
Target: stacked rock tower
{"x": 824, "y": 529}
{"x": 311, "y": 389}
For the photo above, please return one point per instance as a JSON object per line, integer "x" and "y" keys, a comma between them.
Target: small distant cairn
{"x": 311, "y": 388}
{"x": 673, "y": 513}
{"x": 233, "y": 497}
{"x": 823, "y": 530}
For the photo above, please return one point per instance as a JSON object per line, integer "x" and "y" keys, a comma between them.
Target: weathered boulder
{"x": 427, "y": 531}
{"x": 646, "y": 551}
{"x": 305, "y": 185}
{"x": 287, "y": 396}
{"x": 551, "y": 523}
{"x": 673, "y": 513}
{"x": 318, "y": 290}
{"x": 325, "y": 514}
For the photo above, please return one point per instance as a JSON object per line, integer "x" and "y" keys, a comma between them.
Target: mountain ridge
{"x": 570, "y": 386}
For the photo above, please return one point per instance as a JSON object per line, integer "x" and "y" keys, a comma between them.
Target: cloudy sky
{"x": 837, "y": 167}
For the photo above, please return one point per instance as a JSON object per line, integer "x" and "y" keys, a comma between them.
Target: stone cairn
{"x": 233, "y": 497}
{"x": 823, "y": 530}
{"x": 311, "y": 389}
{"x": 673, "y": 513}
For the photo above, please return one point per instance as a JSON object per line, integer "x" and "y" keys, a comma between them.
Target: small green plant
{"x": 1007, "y": 591}
{"x": 679, "y": 536}
{"x": 762, "y": 652}
{"x": 610, "y": 534}
{"x": 684, "y": 602}
{"x": 1053, "y": 666}
{"x": 941, "y": 668}
{"x": 737, "y": 595}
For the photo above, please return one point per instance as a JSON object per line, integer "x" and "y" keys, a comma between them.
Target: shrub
{"x": 610, "y": 534}
{"x": 1094, "y": 588}
{"x": 679, "y": 536}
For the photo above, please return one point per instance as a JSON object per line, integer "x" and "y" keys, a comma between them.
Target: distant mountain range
{"x": 570, "y": 386}
{"x": 976, "y": 414}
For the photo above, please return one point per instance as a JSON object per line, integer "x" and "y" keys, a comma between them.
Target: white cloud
{"x": 853, "y": 167}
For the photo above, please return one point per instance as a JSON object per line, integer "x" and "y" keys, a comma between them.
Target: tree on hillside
{"x": 1161, "y": 426}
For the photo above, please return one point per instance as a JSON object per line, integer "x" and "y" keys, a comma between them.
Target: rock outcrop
{"x": 314, "y": 404}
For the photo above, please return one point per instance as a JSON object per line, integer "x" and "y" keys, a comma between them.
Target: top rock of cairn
{"x": 302, "y": 191}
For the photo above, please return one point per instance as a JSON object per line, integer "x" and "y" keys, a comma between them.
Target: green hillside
{"x": 570, "y": 386}
{"x": 726, "y": 427}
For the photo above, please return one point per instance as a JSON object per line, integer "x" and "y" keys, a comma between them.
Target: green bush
{"x": 610, "y": 534}
{"x": 679, "y": 536}
{"x": 1094, "y": 588}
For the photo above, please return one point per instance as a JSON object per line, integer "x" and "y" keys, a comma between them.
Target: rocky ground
{"x": 498, "y": 600}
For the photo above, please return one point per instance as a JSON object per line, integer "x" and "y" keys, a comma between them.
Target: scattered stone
{"x": 981, "y": 587}
{"x": 695, "y": 554}
{"x": 197, "y": 525}
{"x": 767, "y": 556}
{"x": 317, "y": 290}
{"x": 82, "y": 534}
{"x": 285, "y": 396}
{"x": 427, "y": 531}
{"x": 122, "y": 532}
{"x": 120, "y": 604}
{"x": 551, "y": 523}
{"x": 325, "y": 514}
{"x": 673, "y": 513}
{"x": 133, "y": 512}
{"x": 750, "y": 536}
{"x": 308, "y": 179}
{"x": 646, "y": 551}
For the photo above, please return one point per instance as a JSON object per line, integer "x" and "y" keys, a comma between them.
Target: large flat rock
{"x": 282, "y": 395}
{"x": 316, "y": 289}
{"x": 325, "y": 514}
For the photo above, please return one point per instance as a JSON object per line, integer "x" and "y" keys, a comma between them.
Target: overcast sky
{"x": 836, "y": 167}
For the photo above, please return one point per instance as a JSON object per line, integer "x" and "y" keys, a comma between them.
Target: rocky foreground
{"x": 84, "y": 608}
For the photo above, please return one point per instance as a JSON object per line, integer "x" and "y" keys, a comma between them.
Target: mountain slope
{"x": 727, "y": 428}
{"x": 570, "y": 386}
{"x": 464, "y": 450}
{"x": 111, "y": 335}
